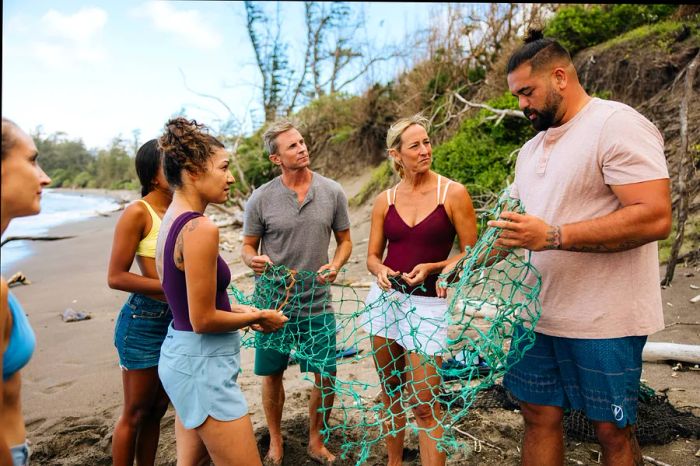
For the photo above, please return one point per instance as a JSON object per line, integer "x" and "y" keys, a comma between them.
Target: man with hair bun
{"x": 595, "y": 188}
{"x": 288, "y": 221}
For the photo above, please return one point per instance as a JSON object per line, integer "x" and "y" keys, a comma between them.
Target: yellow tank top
{"x": 147, "y": 246}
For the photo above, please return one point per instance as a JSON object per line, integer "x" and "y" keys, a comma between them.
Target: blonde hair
{"x": 393, "y": 135}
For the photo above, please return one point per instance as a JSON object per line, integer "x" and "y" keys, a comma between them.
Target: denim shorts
{"x": 597, "y": 376}
{"x": 20, "y": 455}
{"x": 140, "y": 330}
{"x": 313, "y": 339}
{"x": 199, "y": 372}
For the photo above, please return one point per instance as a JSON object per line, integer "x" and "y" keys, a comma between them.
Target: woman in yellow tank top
{"x": 143, "y": 321}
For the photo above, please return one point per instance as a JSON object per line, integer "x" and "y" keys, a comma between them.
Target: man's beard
{"x": 545, "y": 118}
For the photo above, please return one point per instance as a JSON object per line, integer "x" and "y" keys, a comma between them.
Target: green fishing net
{"x": 456, "y": 349}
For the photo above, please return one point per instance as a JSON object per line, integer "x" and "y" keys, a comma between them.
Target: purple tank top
{"x": 175, "y": 285}
{"x": 430, "y": 240}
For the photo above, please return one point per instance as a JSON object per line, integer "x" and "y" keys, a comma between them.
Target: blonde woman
{"x": 415, "y": 223}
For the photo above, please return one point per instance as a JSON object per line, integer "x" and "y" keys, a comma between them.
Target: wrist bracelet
{"x": 553, "y": 238}
{"x": 556, "y": 237}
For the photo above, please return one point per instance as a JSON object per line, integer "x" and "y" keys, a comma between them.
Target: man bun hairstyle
{"x": 538, "y": 51}
{"x": 186, "y": 145}
{"x": 532, "y": 35}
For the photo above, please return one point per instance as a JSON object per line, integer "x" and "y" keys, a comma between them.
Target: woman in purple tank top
{"x": 406, "y": 316}
{"x": 200, "y": 357}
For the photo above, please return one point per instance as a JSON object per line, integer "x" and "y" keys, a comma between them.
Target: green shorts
{"x": 311, "y": 337}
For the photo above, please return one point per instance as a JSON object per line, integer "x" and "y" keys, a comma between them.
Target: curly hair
{"x": 186, "y": 145}
{"x": 8, "y": 139}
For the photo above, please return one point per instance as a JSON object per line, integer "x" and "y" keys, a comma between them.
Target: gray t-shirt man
{"x": 298, "y": 235}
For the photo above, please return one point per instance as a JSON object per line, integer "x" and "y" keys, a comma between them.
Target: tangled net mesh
{"x": 487, "y": 301}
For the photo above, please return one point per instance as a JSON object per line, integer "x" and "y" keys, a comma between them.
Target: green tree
{"x": 62, "y": 158}
{"x": 482, "y": 154}
{"x": 114, "y": 169}
{"x": 577, "y": 27}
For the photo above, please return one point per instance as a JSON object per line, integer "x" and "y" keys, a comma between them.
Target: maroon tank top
{"x": 175, "y": 285}
{"x": 429, "y": 240}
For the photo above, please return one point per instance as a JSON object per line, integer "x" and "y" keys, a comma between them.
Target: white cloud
{"x": 62, "y": 55}
{"x": 17, "y": 24}
{"x": 187, "y": 24}
{"x": 70, "y": 38}
{"x": 80, "y": 27}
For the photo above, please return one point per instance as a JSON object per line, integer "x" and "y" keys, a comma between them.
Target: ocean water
{"x": 57, "y": 208}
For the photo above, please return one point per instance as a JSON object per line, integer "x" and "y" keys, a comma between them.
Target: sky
{"x": 96, "y": 70}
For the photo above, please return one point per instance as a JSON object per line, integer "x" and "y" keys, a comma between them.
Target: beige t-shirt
{"x": 563, "y": 175}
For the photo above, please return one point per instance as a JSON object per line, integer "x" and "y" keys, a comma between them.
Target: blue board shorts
{"x": 199, "y": 372}
{"x": 597, "y": 376}
{"x": 140, "y": 330}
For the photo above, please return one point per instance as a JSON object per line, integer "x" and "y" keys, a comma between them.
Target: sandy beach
{"x": 72, "y": 387}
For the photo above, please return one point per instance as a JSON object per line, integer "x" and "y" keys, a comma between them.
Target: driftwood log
{"x": 660, "y": 351}
{"x": 33, "y": 238}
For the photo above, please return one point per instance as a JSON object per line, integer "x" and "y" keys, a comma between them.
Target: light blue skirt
{"x": 199, "y": 373}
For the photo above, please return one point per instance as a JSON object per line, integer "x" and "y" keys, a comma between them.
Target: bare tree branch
{"x": 498, "y": 111}
{"x": 202, "y": 94}
{"x": 307, "y": 58}
{"x": 365, "y": 69}
{"x": 685, "y": 168}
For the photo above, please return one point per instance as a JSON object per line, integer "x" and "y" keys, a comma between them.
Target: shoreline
{"x": 119, "y": 195}
{"x": 18, "y": 250}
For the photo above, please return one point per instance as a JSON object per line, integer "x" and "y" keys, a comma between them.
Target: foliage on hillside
{"x": 481, "y": 155}
{"x": 630, "y": 53}
{"x": 71, "y": 165}
{"x": 578, "y": 27}
{"x": 255, "y": 165}
{"x": 346, "y": 133}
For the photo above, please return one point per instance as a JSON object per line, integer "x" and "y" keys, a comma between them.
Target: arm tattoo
{"x": 192, "y": 225}
{"x": 179, "y": 259}
{"x": 179, "y": 244}
{"x": 623, "y": 246}
{"x": 553, "y": 238}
